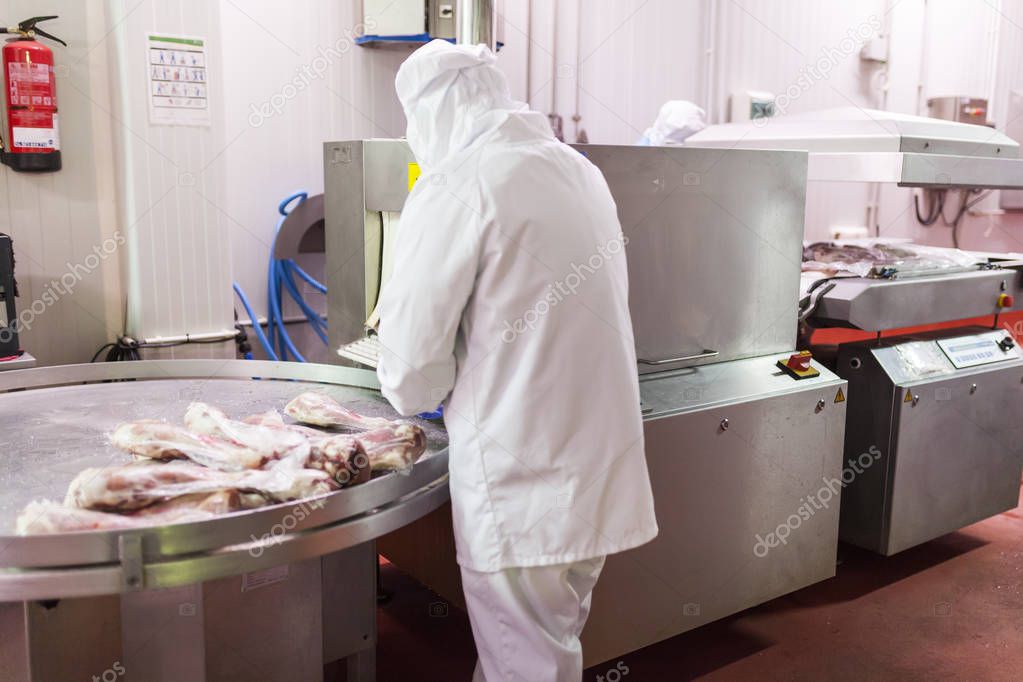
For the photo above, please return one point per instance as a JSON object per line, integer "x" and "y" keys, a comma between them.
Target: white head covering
{"x": 452, "y": 96}
{"x": 677, "y": 120}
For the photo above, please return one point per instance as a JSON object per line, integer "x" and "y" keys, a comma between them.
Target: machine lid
{"x": 852, "y": 129}
{"x": 851, "y": 144}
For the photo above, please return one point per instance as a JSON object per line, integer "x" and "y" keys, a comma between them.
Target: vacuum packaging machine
{"x": 271, "y": 593}
{"x": 941, "y": 407}
{"x": 735, "y": 443}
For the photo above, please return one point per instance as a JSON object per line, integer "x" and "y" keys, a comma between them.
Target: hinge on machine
{"x": 129, "y": 551}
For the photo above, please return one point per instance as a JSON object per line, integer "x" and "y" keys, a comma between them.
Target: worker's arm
{"x": 436, "y": 257}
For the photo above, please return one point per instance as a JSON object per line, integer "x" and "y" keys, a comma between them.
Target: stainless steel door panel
{"x": 714, "y": 248}
{"x": 716, "y": 490}
{"x": 871, "y": 396}
{"x": 959, "y": 455}
{"x": 949, "y": 459}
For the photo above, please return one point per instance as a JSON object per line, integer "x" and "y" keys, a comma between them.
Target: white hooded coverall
{"x": 508, "y": 301}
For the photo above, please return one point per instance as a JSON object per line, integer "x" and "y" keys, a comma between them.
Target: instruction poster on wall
{"x": 177, "y": 80}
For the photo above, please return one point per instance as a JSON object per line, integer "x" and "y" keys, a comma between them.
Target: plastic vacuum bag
{"x": 885, "y": 258}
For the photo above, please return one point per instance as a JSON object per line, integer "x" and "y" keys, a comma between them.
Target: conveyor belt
{"x": 878, "y": 304}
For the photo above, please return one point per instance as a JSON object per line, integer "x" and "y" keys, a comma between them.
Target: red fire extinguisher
{"x": 33, "y": 131}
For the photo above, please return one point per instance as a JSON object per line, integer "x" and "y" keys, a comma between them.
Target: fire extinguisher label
{"x": 35, "y": 138}
{"x": 30, "y": 84}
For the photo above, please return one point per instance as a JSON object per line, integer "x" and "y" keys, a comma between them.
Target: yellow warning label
{"x": 909, "y": 396}
{"x": 840, "y": 397}
{"x": 413, "y": 175}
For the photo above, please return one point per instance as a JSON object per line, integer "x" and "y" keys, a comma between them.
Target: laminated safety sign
{"x": 178, "y": 83}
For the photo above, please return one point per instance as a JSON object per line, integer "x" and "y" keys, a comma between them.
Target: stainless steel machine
{"x": 734, "y": 443}
{"x": 941, "y": 409}
{"x": 269, "y": 594}
{"x": 942, "y": 406}
{"x": 390, "y": 23}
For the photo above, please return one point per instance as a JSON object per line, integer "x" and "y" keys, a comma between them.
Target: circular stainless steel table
{"x": 54, "y": 423}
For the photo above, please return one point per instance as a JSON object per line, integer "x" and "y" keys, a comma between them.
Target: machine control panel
{"x": 980, "y": 349}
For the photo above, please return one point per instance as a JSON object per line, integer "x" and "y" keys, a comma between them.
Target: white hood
{"x": 453, "y": 96}
{"x": 677, "y": 120}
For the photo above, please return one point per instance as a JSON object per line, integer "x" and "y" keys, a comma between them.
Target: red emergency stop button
{"x": 800, "y": 361}
{"x": 1005, "y": 301}
{"x": 798, "y": 365}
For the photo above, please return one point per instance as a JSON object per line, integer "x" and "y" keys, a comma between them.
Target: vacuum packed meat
{"x": 138, "y": 485}
{"x": 154, "y": 439}
{"x": 268, "y": 442}
{"x": 45, "y": 517}
{"x": 394, "y": 447}
{"x": 322, "y": 410}
{"x": 216, "y": 465}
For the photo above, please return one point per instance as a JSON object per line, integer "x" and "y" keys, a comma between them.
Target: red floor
{"x": 949, "y": 609}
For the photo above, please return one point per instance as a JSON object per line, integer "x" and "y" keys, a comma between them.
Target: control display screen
{"x": 979, "y": 349}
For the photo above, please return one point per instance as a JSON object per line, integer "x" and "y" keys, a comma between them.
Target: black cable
{"x": 937, "y": 205}
{"x": 173, "y": 344}
{"x": 126, "y": 349}
{"x": 964, "y": 206}
{"x": 101, "y": 349}
{"x": 241, "y": 338}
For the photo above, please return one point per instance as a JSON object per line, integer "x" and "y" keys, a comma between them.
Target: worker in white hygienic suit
{"x": 509, "y": 302}
{"x": 676, "y": 121}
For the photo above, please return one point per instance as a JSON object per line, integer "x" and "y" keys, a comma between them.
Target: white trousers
{"x": 527, "y": 621}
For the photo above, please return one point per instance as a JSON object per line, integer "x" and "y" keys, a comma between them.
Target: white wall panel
{"x": 171, "y": 200}
{"x": 57, "y": 219}
{"x": 961, "y": 40}
{"x": 807, "y": 53}
{"x": 513, "y": 18}
{"x": 634, "y": 56}
{"x": 199, "y": 205}
{"x": 275, "y": 63}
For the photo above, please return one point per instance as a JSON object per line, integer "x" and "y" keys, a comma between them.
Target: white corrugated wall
{"x": 293, "y": 80}
{"x": 198, "y": 204}
{"x": 171, "y": 199}
{"x": 58, "y": 219}
{"x": 637, "y": 54}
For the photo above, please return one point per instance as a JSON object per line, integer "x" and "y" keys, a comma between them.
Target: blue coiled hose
{"x": 280, "y": 278}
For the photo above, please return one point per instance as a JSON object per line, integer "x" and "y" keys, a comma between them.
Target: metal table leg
{"x": 350, "y": 610}
{"x": 362, "y": 666}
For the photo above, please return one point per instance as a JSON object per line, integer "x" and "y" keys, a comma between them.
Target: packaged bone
{"x": 163, "y": 441}
{"x": 269, "y": 442}
{"x": 394, "y": 447}
{"x": 135, "y": 486}
{"x": 322, "y": 410}
{"x": 215, "y": 465}
{"x": 46, "y": 517}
